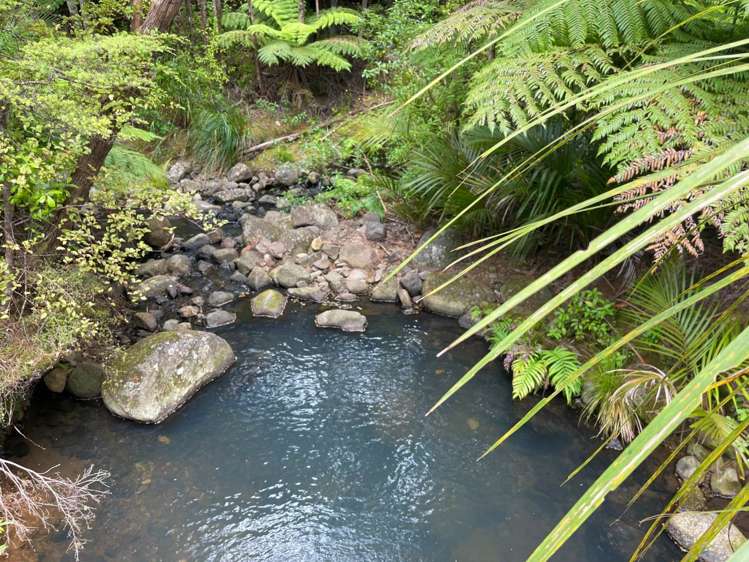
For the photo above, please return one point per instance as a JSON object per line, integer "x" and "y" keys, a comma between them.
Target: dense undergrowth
{"x": 614, "y": 133}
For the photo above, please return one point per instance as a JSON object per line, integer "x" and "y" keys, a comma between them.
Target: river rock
{"x": 234, "y": 194}
{"x": 248, "y": 260}
{"x": 220, "y": 298}
{"x": 313, "y": 215}
{"x": 269, "y": 304}
{"x": 204, "y": 267}
{"x": 218, "y": 318}
{"x": 385, "y": 291}
{"x": 178, "y": 171}
{"x": 56, "y": 378}
{"x": 346, "y": 320}
{"x": 158, "y": 286}
{"x": 374, "y": 229}
{"x": 206, "y": 252}
{"x": 287, "y": 174}
{"x": 154, "y": 377}
{"x": 153, "y": 267}
{"x": 358, "y": 255}
{"x": 189, "y": 311}
{"x": 687, "y": 527}
{"x": 147, "y": 321}
{"x": 85, "y": 380}
{"x": 357, "y": 285}
{"x": 456, "y": 298}
{"x": 197, "y": 241}
{"x": 724, "y": 480}
{"x": 289, "y": 274}
{"x": 179, "y": 265}
{"x": 311, "y": 293}
{"x": 259, "y": 279}
{"x": 405, "y": 299}
{"x": 686, "y": 466}
{"x": 159, "y": 232}
{"x": 225, "y": 255}
{"x": 411, "y": 281}
{"x": 240, "y": 172}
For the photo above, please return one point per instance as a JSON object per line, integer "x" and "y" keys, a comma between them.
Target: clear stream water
{"x": 314, "y": 447}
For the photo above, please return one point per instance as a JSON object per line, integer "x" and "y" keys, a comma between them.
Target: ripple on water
{"x": 315, "y": 447}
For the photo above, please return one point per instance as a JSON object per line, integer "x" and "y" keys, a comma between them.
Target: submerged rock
{"x": 724, "y": 481}
{"x": 456, "y": 298}
{"x": 346, "y": 320}
{"x": 154, "y": 377}
{"x": 219, "y": 318}
{"x": 687, "y": 527}
{"x": 270, "y": 304}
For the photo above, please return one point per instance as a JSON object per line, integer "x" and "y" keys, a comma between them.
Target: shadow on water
{"x": 314, "y": 447}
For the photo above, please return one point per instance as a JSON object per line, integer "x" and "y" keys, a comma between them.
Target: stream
{"x": 314, "y": 446}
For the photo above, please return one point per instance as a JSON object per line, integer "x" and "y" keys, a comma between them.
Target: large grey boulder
{"x": 346, "y": 320}
{"x": 239, "y": 173}
{"x": 256, "y": 228}
{"x": 687, "y": 527}
{"x": 157, "y": 375}
{"x": 269, "y": 304}
{"x": 287, "y": 174}
{"x": 179, "y": 265}
{"x": 313, "y": 215}
{"x": 358, "y": 255}
{"x": 456, "y": 298}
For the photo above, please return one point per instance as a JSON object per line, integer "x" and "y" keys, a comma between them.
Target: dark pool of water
{"x": 315, "y": 447}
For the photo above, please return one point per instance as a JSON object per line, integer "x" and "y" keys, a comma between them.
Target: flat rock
{"x": 179, "y": 265}
{"x": 158, "y": 286}
{"x": 313, "y": 215}
{"x": 358, "y": 255}
{"x": 346, "y": 320}
{"x": 269, "y": 304}
{"x": 220, "y": 298}
{"x": 152, "y": 267}
{"x": 225, "y": 255}
{"x": 687, "y": 527}
{"x": 312, "y": 293}
{"x": 157, "y": 375}
{"x": 218, "y": 318}
{"x": 456, "y": 298}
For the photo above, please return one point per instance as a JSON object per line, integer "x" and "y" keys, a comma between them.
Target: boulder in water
{"x": 270, "y": 304}
{"x": 346, "y": 320}
{"x": 154, "y": 377}
{"x": 687, "y": 527}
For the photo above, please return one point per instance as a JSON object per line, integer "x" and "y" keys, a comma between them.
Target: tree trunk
{"x": 88, "y": 167}
{"x": 203, "y": 15}
{"x": 137, "y": 20}
{"x": 160, "y": 16}
{"x": 302, "y": 10}
{"x": 188, "y": 16}
{"x": 317, "y": 7}
{"x": 218, "y": 9}
{"x": 72, "y": 7}
{"x": 258, "y": 70}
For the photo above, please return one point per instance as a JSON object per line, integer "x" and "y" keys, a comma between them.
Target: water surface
{"x": 314, "y": 447}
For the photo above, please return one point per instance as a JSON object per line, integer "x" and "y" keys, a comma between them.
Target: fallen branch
{"x": 293, "y": 136}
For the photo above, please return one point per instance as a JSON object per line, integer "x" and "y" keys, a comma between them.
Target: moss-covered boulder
{"x": 456, "y": 298}
{"x": 269, "y": 304}
{"x": 85, "y": 380}
{"x": 154, "y": 377}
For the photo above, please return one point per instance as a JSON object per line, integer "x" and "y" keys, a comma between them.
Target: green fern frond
{"x": 334, "y": 17}
{"x": 528, "y": 375}
{"x": 562, "y": 364}
{"x": 280, "y": 11}
{"x": 235, "y": 20}
{"x": 344, "y": 45}
{"x": 473, "y": 22}
{"x": 509, "y": 92}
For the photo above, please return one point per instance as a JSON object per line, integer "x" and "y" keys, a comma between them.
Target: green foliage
{"x": 352, "y": 197}
{"x": 588, "y": 315}
{"x": 546, "y": 367}
{"x": 216, "y": 136}
{"x": 127, "y": 166}
{"x": 283, "y": 37}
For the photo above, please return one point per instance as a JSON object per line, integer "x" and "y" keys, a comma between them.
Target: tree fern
{"x": 509, "y": 92}
{"x": 283, "y": 38}
{"x": 473, "y": 22}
